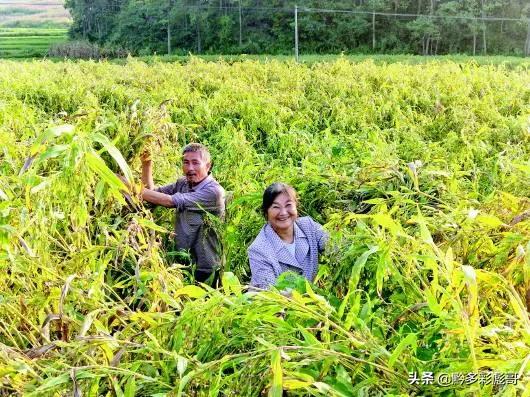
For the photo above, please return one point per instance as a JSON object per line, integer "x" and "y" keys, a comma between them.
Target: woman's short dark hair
{"x": 273, "y": 191}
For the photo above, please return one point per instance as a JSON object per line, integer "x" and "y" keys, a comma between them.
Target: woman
{"x": 286, "y": 242}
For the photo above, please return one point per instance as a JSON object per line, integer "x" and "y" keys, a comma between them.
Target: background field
{"x": 34, "y": 13}
{"x": 28, "y": 28}
{"x": 29, "y": 42}
{"x": 507, "y": 61}
{"x": 421, "y": 174}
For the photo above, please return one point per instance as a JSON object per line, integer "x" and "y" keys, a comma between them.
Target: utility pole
{"x": 296, "y": 32}
{"x": 482, "y": 13}
{"x": 527, "y": 43}
{"x": 373, "y": 31}
{"x": 474, "y": 41}
{"x": 240, "y": 26}
{"x": 169, "y": 28}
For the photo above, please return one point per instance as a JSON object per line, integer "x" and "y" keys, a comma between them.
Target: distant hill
{"x": 33, "y": 13}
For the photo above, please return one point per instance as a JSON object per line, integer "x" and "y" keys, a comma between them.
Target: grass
{"x": 23, "y": 32}
{"x": 510, "y": 62}
{"x": 420, "y": 172}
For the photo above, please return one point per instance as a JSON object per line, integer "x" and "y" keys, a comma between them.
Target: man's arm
{"x": 157, "y": 198}
{"x": 206, "y": 199}
{"x": 149, "y": 193}
{"x": 147, "y": 171}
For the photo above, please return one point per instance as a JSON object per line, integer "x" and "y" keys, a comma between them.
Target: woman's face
{"x": 282, "y": 213}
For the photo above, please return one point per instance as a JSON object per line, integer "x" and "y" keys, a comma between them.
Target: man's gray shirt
{"x": 191, "y": 227}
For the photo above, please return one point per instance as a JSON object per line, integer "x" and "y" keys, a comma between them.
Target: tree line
{"x": 427, "y": 27}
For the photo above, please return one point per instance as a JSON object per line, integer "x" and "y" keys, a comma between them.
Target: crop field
{"x": 510, "y": 62}
{"x": 29, "y": 42}
{"x": 420, "y": 173}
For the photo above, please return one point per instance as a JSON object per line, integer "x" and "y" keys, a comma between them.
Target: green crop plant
{"x": 28, "y": 42}
{"x": 421, "y": 174}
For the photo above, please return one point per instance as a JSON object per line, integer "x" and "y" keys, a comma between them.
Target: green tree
{"x": 257, "y": 26}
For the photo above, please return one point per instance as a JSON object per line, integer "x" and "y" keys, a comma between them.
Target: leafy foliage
{"x": 254, "y": 27}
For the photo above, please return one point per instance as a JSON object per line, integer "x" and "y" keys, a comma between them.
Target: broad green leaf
{"x": 151, "y": 225}
{"x": 448, "y": 260}
{"x": 182, "y": 364}
{"x": 183, "y": 382}
{"x": 489, "y": 220}
{"x": 52, "y": 152}
{"x": 191, "y": 290}
{"x": 87, "y": 322}
{"x": 276, "y": 389}
{"x": 409, "y": 340}
{"x": 342, "y": 383}
{"x": 294, "y": 384}
{"x": 318, "y": 299}
{"x": 130, "y": 387}
{"x": 99, "y": 191}
{"x": 94, "y": 388}
{"x": 50, "y": 383}
{"x": 116, "y": 155}
{"x": 117, "y": 388}
{"x": 387, "y": 222}
{"x": 323, "y": 388}
{"x": 100, "y": 168}
{"x": 231, "y": 284}
{"x": 382, "y": 270}
{"x": 358, "y": 266}
{"x": 41, "y": 186}
{"x": 147, "y": 317}
{"x": 433, "y": 304}
{"x": 425, "y": 233}
{"x": 41, "y": 140}
{"x": 265, "y": 343}
{"x": 62, "y": 130}
{"x": 309, "y": 338}
{"x": 471, "y": 281}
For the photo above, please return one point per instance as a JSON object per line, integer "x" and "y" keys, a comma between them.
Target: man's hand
{"x": 145, "y": 157}
{"x": 131, "y": 187}
{"x": 129, "y": 192}
{"x": 124, "y": 180}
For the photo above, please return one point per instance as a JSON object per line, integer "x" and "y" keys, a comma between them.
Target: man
{"x": 194, "y": 196}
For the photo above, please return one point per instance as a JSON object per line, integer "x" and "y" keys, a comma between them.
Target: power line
{"x": 487, "y": 18}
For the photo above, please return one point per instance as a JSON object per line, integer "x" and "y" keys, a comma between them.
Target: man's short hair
{"x": 197, "y": 147}
{"x": 203, "y": 150}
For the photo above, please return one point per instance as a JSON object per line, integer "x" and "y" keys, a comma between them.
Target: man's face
{"x": 194, "y": 167}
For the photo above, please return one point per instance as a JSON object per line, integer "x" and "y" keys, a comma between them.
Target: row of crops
{"x": 421, "y": 174}
{"x": 29, "y": 42}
